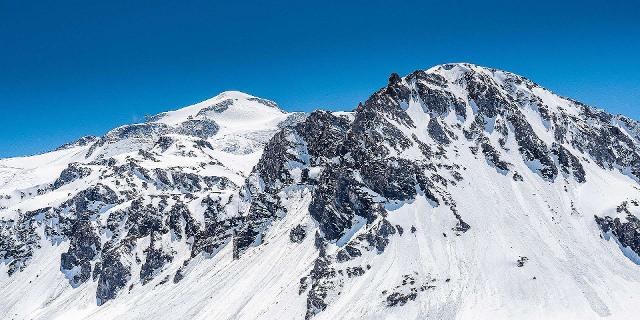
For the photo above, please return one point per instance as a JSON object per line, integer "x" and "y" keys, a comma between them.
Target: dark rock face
{"x": 408, "y": 290}
{"x": 461, "y": 227}
{"x": 73, "y": 172}
{"x": 261, "y": 190}
{"x": 378, "y": 237}
{"x": 352, "y": 159}
{"x": 156, "y": 258}
{"x": 198, "y": 128}
{"x": 569, "y": 163}
{"x": 164, "y": 142}
{"x": 75, "y": 225}
{"x": 436, "y": 132}
{"x": 602, "y": 143}
{"x": 337, "y": 202}
{"x": 272, "y": 165}
{"x": 139, "y": 131}
{"x": 311, "y": 142}
{"x": 340, "y": 196}
{"x": 297, "y": 234}
{"x": 436, "y": 101}
{"x": 180, "y": 221}
{"x": 321, "y": 276}
{"x": 84, "y": 247}
{"x": 216, "y": 232}
{"x": 186, "y": 181}
{"x": 486, "y": 95}
{"x": 493, "y": 157}
{"x": 626, "y": 232}
{"x": 266, "y": 102}
{"x": 517, "y": 177}
{"x": 532, "y": 148}
{"x": 114, "y": 274}
{"x": 83, "y": 203}
{"x": 19, "y": 240}
{"x": 611, "y": 142}
{"x": 491, "y": 103}
{"x": 102, "y": 241}
{"x": 83, "y": 141}
{"x": 292, "y": 120}
{"x": 216, "y": 108}
{"x": 399, "y": 299}
{"x": 349, "y": 252}
{"x": 143, "y": 132}
{"x": 521, "y": 261}
{"x": 322, "y": 133}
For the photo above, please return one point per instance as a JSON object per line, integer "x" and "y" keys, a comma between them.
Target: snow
{"x": 481, "y": 264}
{"x": 571, "y": 272}
{"x": 245, "y": 112}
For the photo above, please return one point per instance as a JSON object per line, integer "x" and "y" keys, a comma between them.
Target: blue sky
{"x": 73, "y": 68}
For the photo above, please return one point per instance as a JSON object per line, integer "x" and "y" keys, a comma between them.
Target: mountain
{"x": 457, "y": 192}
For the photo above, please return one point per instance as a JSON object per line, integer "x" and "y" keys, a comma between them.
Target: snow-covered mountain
{"x": 458, "y": 192}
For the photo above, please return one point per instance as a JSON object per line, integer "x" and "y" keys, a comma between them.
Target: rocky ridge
{"x": 146, "y": 203}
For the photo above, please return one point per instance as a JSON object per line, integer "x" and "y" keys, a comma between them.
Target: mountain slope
{"x": 458, "y": 192}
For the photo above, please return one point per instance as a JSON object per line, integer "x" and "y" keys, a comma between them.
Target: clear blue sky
{"x": 73, "y": 68}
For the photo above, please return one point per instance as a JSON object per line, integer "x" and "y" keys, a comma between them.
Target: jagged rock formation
{"x": 443, "y": 186}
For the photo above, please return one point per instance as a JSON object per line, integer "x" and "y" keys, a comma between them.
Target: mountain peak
{"x": 229, "y": 94}
{"x": 232, "y": 94}
{"x": 232, "y": 120}
{"x": 382, "y": 211}
{"x": 233, "y": 104}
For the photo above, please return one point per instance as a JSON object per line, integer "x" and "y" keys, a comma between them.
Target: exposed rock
{"x": 198, "y": 128}
{"x": 627, "y": 233}
{"x": 74, "y": 171}
{"x": 297, "y": 234}
{"x": 521, "y": 261}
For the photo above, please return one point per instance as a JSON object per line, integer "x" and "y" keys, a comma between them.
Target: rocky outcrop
{"x": 625, "y": 227}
